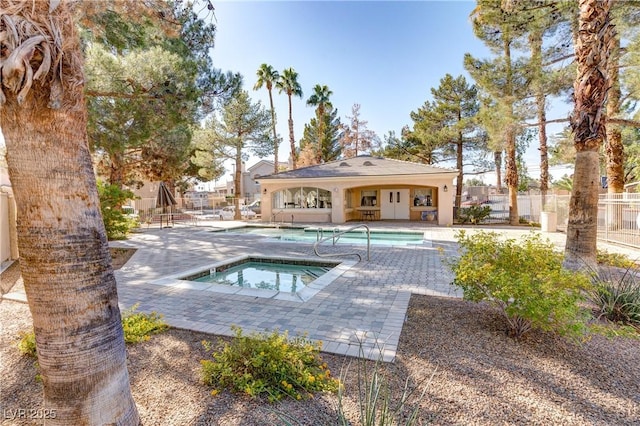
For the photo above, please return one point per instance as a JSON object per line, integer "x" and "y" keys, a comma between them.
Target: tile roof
{"x": 362, "y": 165}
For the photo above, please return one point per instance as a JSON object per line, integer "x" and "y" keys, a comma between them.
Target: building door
{"x": 395, "y": 204}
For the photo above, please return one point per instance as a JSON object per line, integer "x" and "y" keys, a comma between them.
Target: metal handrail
{"x": 335, "y": 236}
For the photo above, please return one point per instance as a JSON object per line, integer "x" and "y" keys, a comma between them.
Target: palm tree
{"x": 288, "y": 83}
{"x": 593, "y": 44}
{"x": 267, "y": 76}
{"x": 320, "y": 100}
{"x": 64, "y": 255}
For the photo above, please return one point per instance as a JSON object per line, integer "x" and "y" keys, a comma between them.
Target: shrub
{"x": 524, "y": 280}
{"x": 617, "y": 296}
{"x": 474, "y": 214}
{"x": 138, "y": 327}
{"x": 271, "y": 365}
{"x": 116, "y": 223}
{"x": 27, "y": 343}
{"x": 617, "y": 260}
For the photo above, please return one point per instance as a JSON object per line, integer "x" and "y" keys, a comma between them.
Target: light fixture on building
{"x": 264, "y": 191}
{"x": 445, "y": 189}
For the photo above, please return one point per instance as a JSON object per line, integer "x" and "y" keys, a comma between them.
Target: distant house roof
{"x": 265, "y": 163}
{"x": 362, "y": 165}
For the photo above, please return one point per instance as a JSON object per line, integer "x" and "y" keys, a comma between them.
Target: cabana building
{"x": 362, "y": 188}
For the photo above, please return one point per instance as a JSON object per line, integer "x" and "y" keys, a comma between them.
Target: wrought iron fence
{"x": 619, "y": 218}
{"x": 618, "y": 214}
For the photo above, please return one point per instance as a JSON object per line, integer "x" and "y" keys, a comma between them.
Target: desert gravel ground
{"x": 474, "y": 375}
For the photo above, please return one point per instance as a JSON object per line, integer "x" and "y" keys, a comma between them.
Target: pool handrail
{"x": 335, "y": 236}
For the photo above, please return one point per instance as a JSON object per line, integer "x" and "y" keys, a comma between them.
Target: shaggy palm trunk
{"x": 64, "y": 255}
{"x": 614, "y": 148}
{"x": 276, "y": 145}
{"x": 292, "y": 139}
{"x": 588, "y": 124}
{"x": 320, "y": 116}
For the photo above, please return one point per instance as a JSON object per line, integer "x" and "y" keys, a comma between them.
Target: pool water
{"x": 310, "y": 235}
{"x": 264, "y": 275}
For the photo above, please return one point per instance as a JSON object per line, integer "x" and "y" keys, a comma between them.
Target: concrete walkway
{"x": 360, "y": 313}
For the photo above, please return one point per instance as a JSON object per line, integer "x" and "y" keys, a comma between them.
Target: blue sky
{"x": 386, "y": 56}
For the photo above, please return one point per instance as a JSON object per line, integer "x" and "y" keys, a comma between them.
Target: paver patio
{"x": 364, "y": 308}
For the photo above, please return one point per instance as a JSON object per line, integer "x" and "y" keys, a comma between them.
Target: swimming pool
{"x": 291, "y": 279}
{"x": 310, "y": 235}
{"x": 266, "y": 274}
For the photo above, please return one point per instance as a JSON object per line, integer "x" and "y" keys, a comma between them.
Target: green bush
{"x": 618, "y": 260}
{"x": 27, "y": 343}
{"x": 138, "y": 327}
{"x": 617, "y": 296}
{"x": 474, "y": 214}
{"x": 271, "y": 365}
{"x": 524, "y": 280}
{"x": 116, "y": 223}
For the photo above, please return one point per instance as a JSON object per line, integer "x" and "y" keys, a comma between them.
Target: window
{"x": 369, "y": 198}
{"x": 301, "y": 198}
{"x": 348, "y": 196}
{"x": 422, "y": 197}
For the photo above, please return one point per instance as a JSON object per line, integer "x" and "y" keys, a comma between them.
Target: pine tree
{"x": 505, "y": 80}
{"x": 451, "y": 124}
{"x": 326, "y": 135}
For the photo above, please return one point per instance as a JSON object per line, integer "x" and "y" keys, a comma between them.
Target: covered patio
{"x": 362, "y": 188}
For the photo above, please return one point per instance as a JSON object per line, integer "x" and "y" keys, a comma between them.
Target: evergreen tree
{"x": 550, "y": 22}
{"x": 326, "y": 135}
{"x": 451, "y": 124}
{"x": 505, "y": 80}
{"x": 403, "y": 148}
{"x": 427, "y": 146}
{"x": 150, "y": 78}
{"x": 320, "y": 99}
{"x": 243, "y": 126}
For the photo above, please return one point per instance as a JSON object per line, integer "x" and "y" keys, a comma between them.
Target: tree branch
{"x": 624, "y": 122}
{"x": 557, "y": 120}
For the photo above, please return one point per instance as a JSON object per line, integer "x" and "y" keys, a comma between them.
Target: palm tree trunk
{"x": 292, "y": 139}
{"x": 320, "y": 114}
{"x": 614, "y": 147}
{"x": 588, "y": 124}
{"x": 276, "y": 145}
{"x": 65, "y": 260}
